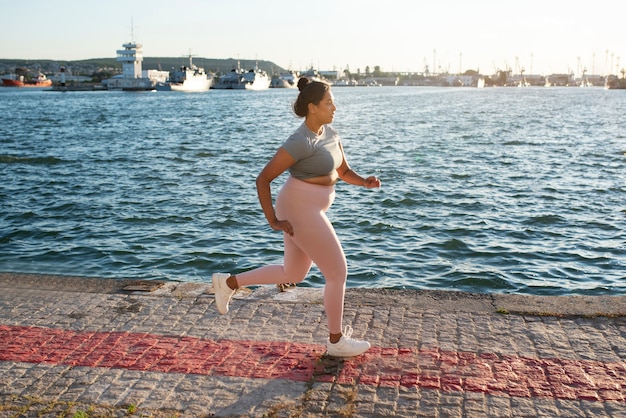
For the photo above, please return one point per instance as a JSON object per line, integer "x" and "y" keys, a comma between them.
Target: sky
{"x": 538, "y": 36}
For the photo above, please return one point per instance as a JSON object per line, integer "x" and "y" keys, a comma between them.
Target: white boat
{"x": 189, "y": 78}
{"x": 285, "y": 80}
{"x": 312, "y": 75}
{"x": 345, "y": 83}
{"x": 256, "y": 79}
{"x": 237, "y": 79}
{"x": 230, "y": 81}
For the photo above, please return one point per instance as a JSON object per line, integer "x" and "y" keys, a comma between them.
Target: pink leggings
{"x": 314, "y": 241}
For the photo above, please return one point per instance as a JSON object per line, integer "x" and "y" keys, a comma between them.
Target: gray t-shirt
{"x": 315, "y": 155}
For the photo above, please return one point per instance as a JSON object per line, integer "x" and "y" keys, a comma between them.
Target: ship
{"x": 237, "y": 79}
{"x": 256, "y": 79}
{"x": 286, "y": 80}
{"x": 230, "y": 81}
{"x": 189, "y": 78}
{"x": 613, "y": 82}
{"x": 21, "y": 81}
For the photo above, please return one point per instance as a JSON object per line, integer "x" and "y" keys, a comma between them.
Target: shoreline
{"x": 443, "y": 300}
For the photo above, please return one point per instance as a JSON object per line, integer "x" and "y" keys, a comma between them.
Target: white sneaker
{"x": 223, "y": 293}
{"x": 346, "y": 346}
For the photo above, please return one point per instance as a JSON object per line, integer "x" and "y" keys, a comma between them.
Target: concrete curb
{"x": 560, "y": 306}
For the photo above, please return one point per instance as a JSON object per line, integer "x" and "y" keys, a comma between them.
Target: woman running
{"x": 315, "y": 159}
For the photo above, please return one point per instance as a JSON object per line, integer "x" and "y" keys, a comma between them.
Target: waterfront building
{"x": 132, "y": 77}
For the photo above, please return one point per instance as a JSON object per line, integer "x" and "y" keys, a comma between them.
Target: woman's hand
{"x": 372, "y": 182}
{"x": 282, "y": 226}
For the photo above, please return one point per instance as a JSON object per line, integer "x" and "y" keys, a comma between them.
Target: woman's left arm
{"x": 348, "y": 175}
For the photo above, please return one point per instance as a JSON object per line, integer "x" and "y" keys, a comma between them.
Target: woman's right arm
{"x": 277, "y": 165}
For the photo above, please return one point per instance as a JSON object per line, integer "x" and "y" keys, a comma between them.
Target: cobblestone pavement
{"x": 80, "y": 347}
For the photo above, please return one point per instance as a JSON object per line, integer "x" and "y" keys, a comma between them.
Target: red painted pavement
{"x": 448, "y": 371}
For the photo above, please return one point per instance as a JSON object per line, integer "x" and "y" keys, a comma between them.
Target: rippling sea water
{"x": 485, "y": 190}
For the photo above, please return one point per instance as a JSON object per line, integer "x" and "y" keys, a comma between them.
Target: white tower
{"x": 130, "y": 57}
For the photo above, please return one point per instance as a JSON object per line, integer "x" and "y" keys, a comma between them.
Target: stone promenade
{"x": 82, "y": 347}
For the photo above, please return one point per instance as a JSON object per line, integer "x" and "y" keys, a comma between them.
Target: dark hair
{"x": 310, "y": 92}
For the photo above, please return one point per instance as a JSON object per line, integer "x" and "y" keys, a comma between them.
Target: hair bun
{"x": 302, "y": 83}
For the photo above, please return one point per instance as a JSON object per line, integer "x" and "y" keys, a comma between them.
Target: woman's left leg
{"x": 295, "y": 267}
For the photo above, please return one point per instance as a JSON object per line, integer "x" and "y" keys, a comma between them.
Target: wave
{"x": 10, "y": 159}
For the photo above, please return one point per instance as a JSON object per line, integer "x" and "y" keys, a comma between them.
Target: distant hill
{"x": 95, "y": 65}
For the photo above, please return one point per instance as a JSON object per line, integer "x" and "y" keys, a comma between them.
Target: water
{"x": 484, "y": 190}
